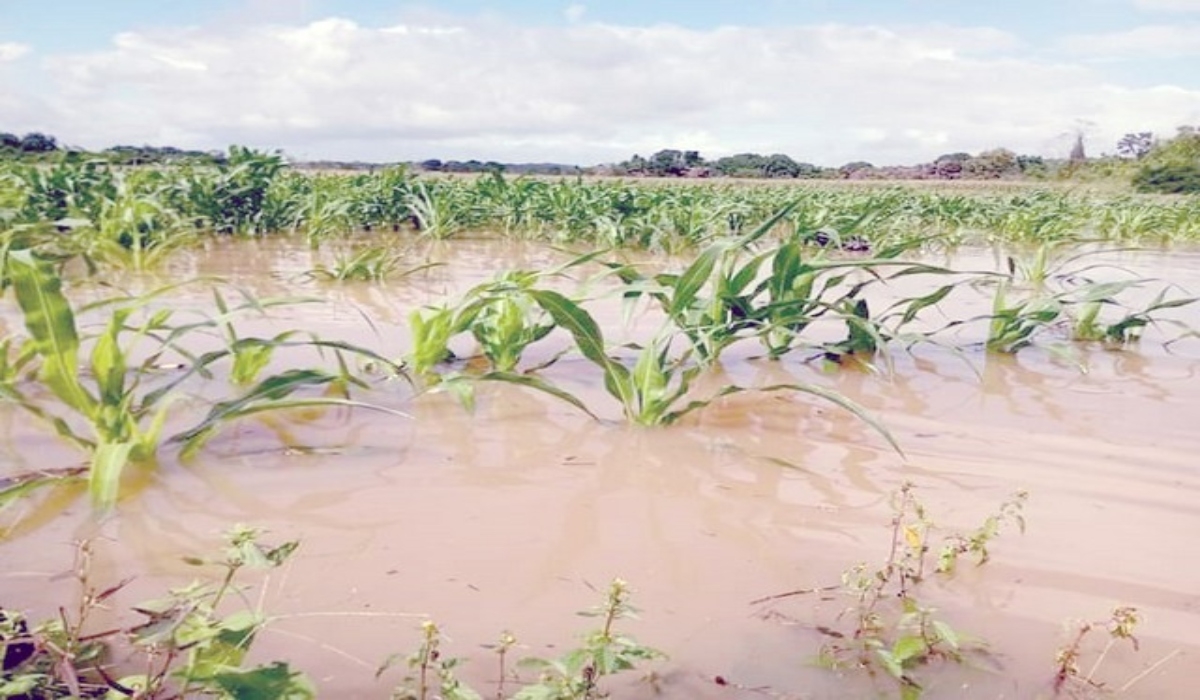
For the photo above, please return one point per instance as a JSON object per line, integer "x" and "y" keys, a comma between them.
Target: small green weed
{"x": 576, "y": 675}
{"x": 887, "y": 629}
{"x": 185, "y": 647}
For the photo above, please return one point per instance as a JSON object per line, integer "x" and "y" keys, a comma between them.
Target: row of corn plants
{"x": 101, "y": 391}
{"x": 134, "y": 216}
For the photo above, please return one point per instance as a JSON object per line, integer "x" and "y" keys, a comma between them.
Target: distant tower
{"x": 1077, "y": 153}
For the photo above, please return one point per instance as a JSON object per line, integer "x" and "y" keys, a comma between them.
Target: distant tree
{"x": 950, "y": 166}
{"x": 993, "y": 164}
{"x": 779, "y": 165}
{"x": 431, "y": 165}
{"x": 10, "y": 141}
{"x": 668, "y": 162}
{"x": 36, "y": 142}
{"x": 1033, "y": 166}
{"x": 1172, "y": 166}
{"x": 741, "y": 165}
{"x": 1136, "y": 146}
{"x": 855, "y": 169}
{"x": 636, "y": 165}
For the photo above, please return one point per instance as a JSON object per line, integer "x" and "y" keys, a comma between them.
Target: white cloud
{"x": 1169, "y": 5}
{"x": 575, "y": 12}
{"x": 1159, "y": 40}
{"x": 11, "y": 51}
{"x": 585, "y": 92}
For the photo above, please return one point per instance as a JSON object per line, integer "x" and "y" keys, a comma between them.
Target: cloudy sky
{"x": 825, "y": 81}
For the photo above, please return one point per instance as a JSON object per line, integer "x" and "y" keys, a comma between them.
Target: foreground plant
{"x": 576, "y": 675}
{"x": 187, "y": 645}
{"x": 891, "y": 631}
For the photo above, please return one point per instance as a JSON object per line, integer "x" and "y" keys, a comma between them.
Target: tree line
{"x": 1152, "y": 164}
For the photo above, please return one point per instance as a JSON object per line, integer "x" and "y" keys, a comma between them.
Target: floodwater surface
{"x": 518, "y": 514}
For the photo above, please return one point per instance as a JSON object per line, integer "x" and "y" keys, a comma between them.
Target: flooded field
{"x": 517, "y": 515}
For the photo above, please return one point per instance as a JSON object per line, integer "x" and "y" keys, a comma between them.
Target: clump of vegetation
{"x": 887, "y": 629}
{"x": 187, "y": 645}
{"x": 121, "y": 398}
{"x": 1172, "y": 167}
{"x": 577, "y": 674}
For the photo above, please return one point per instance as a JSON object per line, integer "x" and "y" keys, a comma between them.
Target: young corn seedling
{"x": 656, "y": 390}
{"x": 370, "y": 264}
{"x": 123, "y": 416}
{"x": 432, "y": 329}
{"x": 504, "y": 319}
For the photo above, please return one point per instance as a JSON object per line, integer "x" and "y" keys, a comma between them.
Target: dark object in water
{"x": 16, "y": 645}
{"x": 828, "y": 238}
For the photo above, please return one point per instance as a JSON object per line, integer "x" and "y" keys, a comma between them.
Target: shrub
{"x": 1168, "y": 178}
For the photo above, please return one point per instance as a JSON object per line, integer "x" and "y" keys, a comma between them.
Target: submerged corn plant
{"x": 657, "y": 389}
{"x": 107, "y": 403}
{"x": 729, "y": 293}
{"x": 1048, "y": 292}
{"x": 374, "y": 263}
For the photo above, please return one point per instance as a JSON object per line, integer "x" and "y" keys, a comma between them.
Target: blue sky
{"x": 825, "y": 81}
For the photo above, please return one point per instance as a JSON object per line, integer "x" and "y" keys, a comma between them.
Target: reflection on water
{"x": 507, "y": 518}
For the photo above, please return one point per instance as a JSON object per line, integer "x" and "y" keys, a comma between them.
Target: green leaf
{"x": 51, "y": 326}
{"x": 908, "y": 648}
{"x": 268, "y": 395}
{"x": 946, "y": 634}
{"x": 539, "y": 384}
{"x": 890, "y": 663}
{"x": 108, "y": 462}
{"x": 274, "y": 682}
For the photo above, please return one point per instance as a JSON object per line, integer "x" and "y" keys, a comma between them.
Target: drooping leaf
{"x": 51, "y": 325}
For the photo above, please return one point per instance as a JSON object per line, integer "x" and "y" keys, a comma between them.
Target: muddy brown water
{"x": 516, "y": 516}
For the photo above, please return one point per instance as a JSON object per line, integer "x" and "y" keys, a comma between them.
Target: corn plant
{"x": 714, "y": 321}
{"x": 1089, "y": 323}
{"x": 233, "y": 198}
{"x": 1013, "y": 324}
{"x": 504, "y": 320}
{"x": 432, "y": 330}
{"x": 657, "y": 390}
{"x": 369, "y": 264}
{"x": 439, "y": 211}
{"x": 123, "y": 416}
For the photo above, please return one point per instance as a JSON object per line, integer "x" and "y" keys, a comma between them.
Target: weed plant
{"x": 577, "y": 674}
{"x": 187, "y": 645}
{"x": 887, "y": 630}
